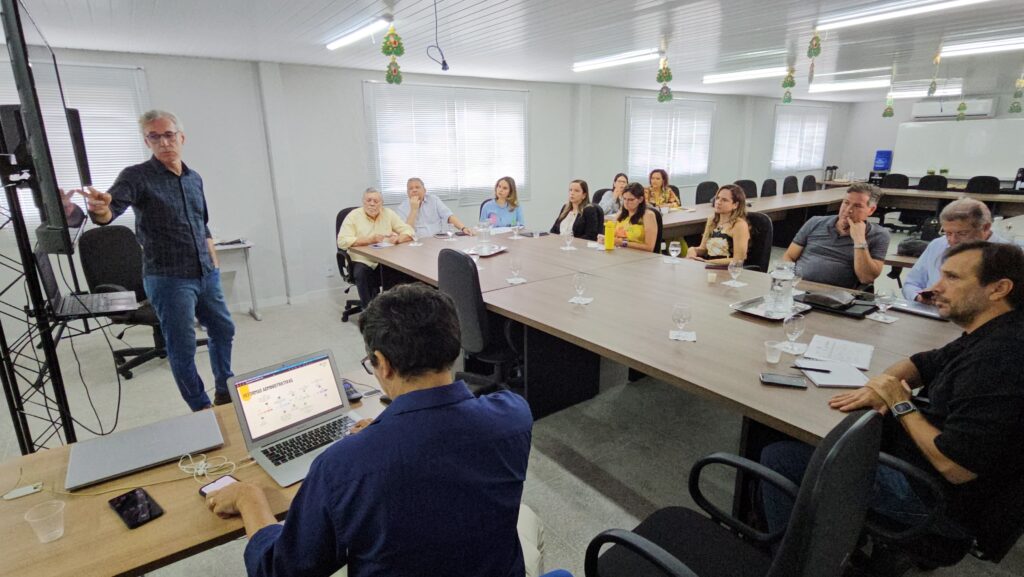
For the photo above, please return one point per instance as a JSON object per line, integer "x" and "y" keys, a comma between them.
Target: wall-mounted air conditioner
{"x": 947, "y": 109}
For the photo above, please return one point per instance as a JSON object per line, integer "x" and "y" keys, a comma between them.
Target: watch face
{"x": 903, "y": 407}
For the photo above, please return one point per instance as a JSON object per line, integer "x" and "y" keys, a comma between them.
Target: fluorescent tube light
{"x": 1001, "y": 45}
{"x": 861, "y": 71}
{"x": 745, "y": 75}
{"x": 617, "y": 60}
{"x": 816, "y": 87}
{"x": 363, "y": 31}
{"x": 891, "y": 12}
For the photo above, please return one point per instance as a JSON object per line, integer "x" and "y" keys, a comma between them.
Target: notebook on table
{"x": 291, "y": 412}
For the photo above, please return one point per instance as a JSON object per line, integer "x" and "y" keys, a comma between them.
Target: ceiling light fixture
{"x": 816, "y": 87}
{"x": 969, "y": 48}
{"x": 363, "y": 31}
{"x": 778, "y": 72}
{"x": 861, "y": 71}
{"x": 616, "y": 60}
{"x": 891, "y": 12}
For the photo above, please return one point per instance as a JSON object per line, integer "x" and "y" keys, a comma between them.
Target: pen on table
{"x": 812, "y": 369}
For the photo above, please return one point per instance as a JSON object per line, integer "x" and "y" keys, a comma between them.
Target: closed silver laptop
{"x": 916, "y": 308}
{"x": 291, "y": 412}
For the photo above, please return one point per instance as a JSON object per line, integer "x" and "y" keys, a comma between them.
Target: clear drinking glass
{"x": 516, "y": 265}
{"x": 449, "y": 229}
{"x": 772, "y": 352}
{"x": 797, "y": 275}
{"x": 567, "y": 239}
{"x": 579, "y": 282}
{"x": 735, "y": 268}
{"x": 415, "y": 240}
{"x": 794, "y": 327}
{"x": 515, "y": 229}
{"x": 674, "y": 249}
{"x": 884, "y": 299}
{"x": 681, "y": 315}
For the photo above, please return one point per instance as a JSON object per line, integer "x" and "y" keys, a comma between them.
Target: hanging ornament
{"x": 664, "y": 77}
{"x": 888, "y": 112}
{"x": 961, "y": 110}
{"x": 813, "y": 50}
{"x": 810, "y": 73}
{"x": 394, "y": 73}
{"x": 665, "y": 94}
{"x": 392, "y": 45}
{"x": 789, "y": 81}
{"x": 1015, "y": 107}
{"x": 935, "y": 76}
{"x": 787, "y": 97}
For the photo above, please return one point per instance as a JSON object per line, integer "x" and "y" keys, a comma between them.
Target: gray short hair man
{"x": 150, "y": 116}
{"x": 963, "y": 220}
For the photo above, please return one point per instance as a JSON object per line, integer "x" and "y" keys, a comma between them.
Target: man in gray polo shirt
{"x": 426, "y": 213}
{"x": 843, "y": 250}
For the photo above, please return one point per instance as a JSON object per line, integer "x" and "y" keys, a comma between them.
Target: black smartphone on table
{"x": 350, "y": 391}
{"x": 136, "y": 508}
{"x": 790, "y": 381}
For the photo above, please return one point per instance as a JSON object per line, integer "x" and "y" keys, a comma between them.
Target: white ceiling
{"x": 539, "y": 40}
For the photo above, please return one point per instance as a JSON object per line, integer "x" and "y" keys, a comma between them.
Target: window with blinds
{"x": 109, "y": 100}
{"x": 800, "y": 134}
{"x": 673, "y": 135}
{"x": 460, "y": 141}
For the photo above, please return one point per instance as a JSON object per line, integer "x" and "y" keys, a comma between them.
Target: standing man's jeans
{"x": 178, "y": 302}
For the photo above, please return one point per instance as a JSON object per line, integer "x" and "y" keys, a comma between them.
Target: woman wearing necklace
{"x": 727, "y": 233}
{"x": 503, "y": 209}
{"x": 659, "y": 193}
{"x": 611, "y": 202}
{"x": 579, "y": 216}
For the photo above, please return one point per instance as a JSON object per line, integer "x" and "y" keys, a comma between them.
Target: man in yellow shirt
{"x": 371, "y": 224}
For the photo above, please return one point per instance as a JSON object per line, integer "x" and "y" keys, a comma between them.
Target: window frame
{"x": 773, "y": 164}
{"x": 675, "y": 178}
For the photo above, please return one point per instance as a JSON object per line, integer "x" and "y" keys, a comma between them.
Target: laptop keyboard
{"x": 307, "y": 441}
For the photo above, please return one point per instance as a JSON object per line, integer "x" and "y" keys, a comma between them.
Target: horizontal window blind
{"x": 800, "y": 135}
{"x": 460, "y": 141}
{"x": 109, "y": 101}
{"x": 674, "y": 136}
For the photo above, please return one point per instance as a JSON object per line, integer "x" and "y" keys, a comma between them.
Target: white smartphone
{"x": 217, "y": 485}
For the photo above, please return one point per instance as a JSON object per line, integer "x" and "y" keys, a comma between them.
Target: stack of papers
{"x": 829, "y": 349}
{"x": 840, "y": 374}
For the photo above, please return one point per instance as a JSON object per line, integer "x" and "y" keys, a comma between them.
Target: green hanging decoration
{"x": 664, "y": 77}
{"x": 1015, "y": 107}
{"x": 664, "y": 73}
{"x": 789, "y": 81}
{"x": 665, "y": 94}
{"x": 888, "y": 112}
{"x": 787, "y": 97}
{"x": 394, "y": 73}
{"x": 392, "y": 45}
{"x": 814, "y": 49}
{"x": 961, "y": 111}
{"x": 935, "y": 76}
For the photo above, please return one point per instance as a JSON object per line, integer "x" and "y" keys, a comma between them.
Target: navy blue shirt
{"x": 431, "y": 488}
{"x": 170, "y": 218}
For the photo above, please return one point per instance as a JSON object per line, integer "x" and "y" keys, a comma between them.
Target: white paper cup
{"x": 772, "y": 352}
{"x": 712, "y": 277}
{"x": 47, "y": 520}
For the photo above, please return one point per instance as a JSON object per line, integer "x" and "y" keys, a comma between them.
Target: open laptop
{"x": 84, "y": 305}
{"x": 916, "y": 308}
{"x": 291, "y": 412}
{"x": 124, "y": 452}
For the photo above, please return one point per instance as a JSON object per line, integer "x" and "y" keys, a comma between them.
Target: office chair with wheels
{"x": 810, "y": 183}
{"x": 910, "y": 221}
{"x": 112, "y": 261}
{"x": 790, "y": 185}
{"x": 706, "y": 191}
{"x": 352, "y": 306}
{"x": 749, "y": 188}
{"x": 599, "y": 195}
{"x": 759, "y": 253}
{"x": 983, "y": 185}
{"x": 768, "y": 187}
{"x": 829, "y": 510}
{"x": 480, "y": 211}
{"x": 483, "y": 341}
{"x": 932, "y": 182}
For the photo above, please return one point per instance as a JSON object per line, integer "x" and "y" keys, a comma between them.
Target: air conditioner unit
{"x": 947, "y": 109}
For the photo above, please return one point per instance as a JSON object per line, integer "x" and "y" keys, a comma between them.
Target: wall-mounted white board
{"x": 993, "y": 147}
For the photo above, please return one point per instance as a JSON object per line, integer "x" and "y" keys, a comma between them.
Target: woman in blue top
{"x": 503, "y": 209}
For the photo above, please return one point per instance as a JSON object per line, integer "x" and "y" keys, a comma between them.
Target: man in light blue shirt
{"x": 963, "y": 220}
{"x": 426, "y": 213}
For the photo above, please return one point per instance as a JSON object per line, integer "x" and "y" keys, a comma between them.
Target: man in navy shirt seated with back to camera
{"x": 431, "y": 487}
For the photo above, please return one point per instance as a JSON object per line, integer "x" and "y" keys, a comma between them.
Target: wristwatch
{"x": 857, "y": 245}
{"x": 903, "y": 408}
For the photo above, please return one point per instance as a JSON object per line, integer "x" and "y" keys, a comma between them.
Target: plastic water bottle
{"x": 609, "y": 235}
{"x": 780, "y": 296}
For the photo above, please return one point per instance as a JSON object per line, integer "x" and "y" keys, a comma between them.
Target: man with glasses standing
{"x": 181, "y": 273}
{"x": 963, "y": 220}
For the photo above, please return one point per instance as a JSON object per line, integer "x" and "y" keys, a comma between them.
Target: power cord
{"x": 437, "y": 45}
{"x": 202, "y": 467}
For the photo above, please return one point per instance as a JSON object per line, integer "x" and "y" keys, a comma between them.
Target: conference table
{"x": 97, "y": 542}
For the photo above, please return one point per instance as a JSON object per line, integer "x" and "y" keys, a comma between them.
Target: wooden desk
{"x": 681, "y": 223}
{"x": 897, "y": 261}
{"x": 96, "y": 541}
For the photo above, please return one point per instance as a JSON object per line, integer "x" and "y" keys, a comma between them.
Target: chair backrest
{"x": 480, "y": 212}
{"x": 706, "y": 191}
{"x": 749, "y": 187}
{"x": 790, "y": 185}
{"x": 599, "y": 195}
{"x": 932, "y": 182}
{"x": 768, "y": 187}
{"x": 759, "y": 251}
{"x": 660, "y": 238}
{"x": 675, "y": 189}
{"x": 112, "y": 255}
{"x": 810, "y": 183}
{"x": 983, "y": 185}
{"x": 458, "y": 278}
{"x": 895, "y": 180}
{"x": 832, "y": 502}
{"x": 344, "y": 263}
{"x": 341, "y": 218}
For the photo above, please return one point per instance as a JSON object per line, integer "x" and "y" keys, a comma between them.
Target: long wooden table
{"x": 96, "y": 541}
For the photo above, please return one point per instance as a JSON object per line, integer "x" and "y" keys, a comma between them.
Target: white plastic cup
{"x": 47, "y": 520}
{"x": 712, "y": 277}
{"x": 772, "y": 352}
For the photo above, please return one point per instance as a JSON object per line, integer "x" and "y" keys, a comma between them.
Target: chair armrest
{"x": 643, "y": 547}
{"x": 936, "y": 491}
{"x": 747, "y": 466}
{"x": 109, "y": 288}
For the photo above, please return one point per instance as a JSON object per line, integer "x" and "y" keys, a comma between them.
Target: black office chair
{"x": 112, "y": 261}
{"x": 810, "y": 183}
{"x": 483, "y": 340}
{"x": 706, "y": 191}
{"x": 599, "y": 195}
{"x": 659, "y": 240}
{"x": 480, "y": 211}
{"x": 989, "y": 535}
{"x": 910, "y": 221}
{"x": 895, "y": 180}
{"x": 749, "y": 187}
{"x": 768, "y": 187}
{"x": 675, "y": 189}
{"x": 790, "y": 185}
{"x": 828, "y": 514}
{"x": 983, "y": 185}
{"x": 759, "y": 252}
{"x": 932, "y": 182}
{"x": 352, "y": 306}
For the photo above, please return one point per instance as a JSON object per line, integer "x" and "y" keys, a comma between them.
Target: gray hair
{"x": 871, "y": 190}
{"x": 415, "y": 179}
{"x": 156, "y": 114}
{"x": 974, "y": 212}
{"x": 371, "y": 190}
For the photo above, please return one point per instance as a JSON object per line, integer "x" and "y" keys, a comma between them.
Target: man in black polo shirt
{"x": 966, "y": 424}
{"x": 181, "y": 274}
